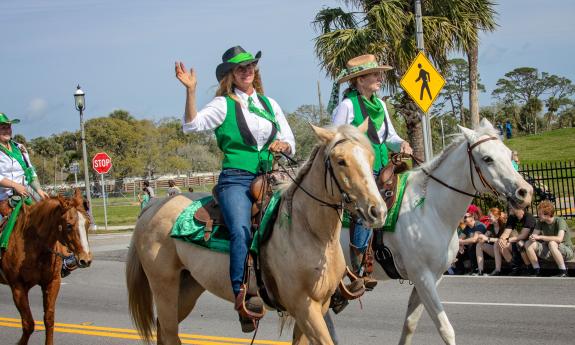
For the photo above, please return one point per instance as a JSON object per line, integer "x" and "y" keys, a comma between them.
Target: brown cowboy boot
{"x": 368, "y": 259}
{"x": 358, "y": 261}
{"x": 250, "y": 309}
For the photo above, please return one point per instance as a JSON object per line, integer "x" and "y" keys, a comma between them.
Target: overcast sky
{"x": 122, "y": 52}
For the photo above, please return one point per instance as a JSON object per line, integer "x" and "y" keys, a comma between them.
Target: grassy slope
{"x": 557, "y": 145}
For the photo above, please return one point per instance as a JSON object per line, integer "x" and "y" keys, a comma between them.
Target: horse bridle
{"x": 66, "y": 245}
{"x": 328, "y": 169}
{"x": 472, "y": 163}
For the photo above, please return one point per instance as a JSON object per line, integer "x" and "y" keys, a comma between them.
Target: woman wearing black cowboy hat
{"x": 249, "y": 128}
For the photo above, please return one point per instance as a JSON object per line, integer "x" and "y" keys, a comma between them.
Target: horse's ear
{"x": 63, "y": 201}
{"x": 469, "y": 134}
{"x": 485, "y": 123}
{"x": 78, "y": 198}
{"x": 364, "y": 125}
{"x": 324, "y": 135}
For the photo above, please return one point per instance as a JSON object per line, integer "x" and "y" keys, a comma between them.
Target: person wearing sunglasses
{"x": 473, "y": 229}
{"x": 249, "y": 127}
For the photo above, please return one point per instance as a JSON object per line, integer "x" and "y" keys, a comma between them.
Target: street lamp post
{"x": 80, "y": 103}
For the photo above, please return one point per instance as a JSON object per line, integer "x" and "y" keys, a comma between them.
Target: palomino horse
{"x": 425, "y": 242}
{"x": 302, "y": 263}
{"x": 34, "y": 254}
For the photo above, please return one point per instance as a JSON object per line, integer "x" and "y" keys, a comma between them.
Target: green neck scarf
{"x": 374, "y": 108}
{"x": 262, "y": 113}
{"x": 17, "y": 155}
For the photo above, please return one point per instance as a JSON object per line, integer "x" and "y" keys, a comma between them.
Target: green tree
{"x": 387, "y": 30}
{"x": 456, "y": 86}
{"x": 524, "y": 85}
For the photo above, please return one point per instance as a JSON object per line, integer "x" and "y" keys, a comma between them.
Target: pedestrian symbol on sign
{"x": 424, "y": 77}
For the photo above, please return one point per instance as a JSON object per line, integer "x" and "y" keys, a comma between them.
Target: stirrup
{"x": 353, "y": 290}
{"x": 252, "y": 308}
{"x": 369, "y": 282}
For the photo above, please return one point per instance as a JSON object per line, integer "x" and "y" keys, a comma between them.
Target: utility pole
{"x": 320, "y": 104}
{"x": 425, "y": 123}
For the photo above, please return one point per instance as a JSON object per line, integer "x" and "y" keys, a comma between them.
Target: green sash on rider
{"x": 17, "y": 155}
{"x": 29, "y": 176}
{"x": 11, "y": 221}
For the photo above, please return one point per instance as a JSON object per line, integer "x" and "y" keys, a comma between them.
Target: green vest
{"x": 379, "y": 148}
{"x": 238, "y": 143}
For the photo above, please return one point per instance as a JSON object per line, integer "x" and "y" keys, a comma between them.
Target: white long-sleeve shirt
{"x": 214, "y": 114}
{"x": 11, "y": 169}
{"x": 343, "y": 115}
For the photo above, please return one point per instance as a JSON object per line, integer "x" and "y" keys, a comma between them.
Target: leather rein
{"x": 328, "y": 169}
{"x": 472, "y": 164}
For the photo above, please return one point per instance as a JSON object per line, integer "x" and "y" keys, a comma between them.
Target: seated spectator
{"x": 486, "y": 242}
{"x": 471, "y": 232}
{"x": 550, "y": 239}
{"x": 519, "y": 225}
{"x": 475, "y": 211}
{"x": 173, "y": 189}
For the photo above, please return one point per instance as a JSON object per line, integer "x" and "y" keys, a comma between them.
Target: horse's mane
{"x": 432, "y": 165}
{"x": 342, "y": 132}
{"x": 43, "y": 212}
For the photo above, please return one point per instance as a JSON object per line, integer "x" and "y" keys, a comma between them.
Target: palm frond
{"x": 335, "y": 48}
{"x": 329, "y": 19}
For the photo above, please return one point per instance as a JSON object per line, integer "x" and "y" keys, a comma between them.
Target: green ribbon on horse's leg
{"x": 11, "y": 221}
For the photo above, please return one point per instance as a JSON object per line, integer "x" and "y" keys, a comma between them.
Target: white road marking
{"x": 568, "y": 306}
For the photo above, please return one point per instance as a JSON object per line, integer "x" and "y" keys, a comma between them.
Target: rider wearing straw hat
{"x": 249, "y": 128}
{"x": 365, "y": 76}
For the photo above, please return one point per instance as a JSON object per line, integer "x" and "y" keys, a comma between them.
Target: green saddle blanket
{"x": 188, "y": 229}
{"x": 393, "y": 213}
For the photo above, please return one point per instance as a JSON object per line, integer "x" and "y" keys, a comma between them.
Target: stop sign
{"x": 102, "y": 162}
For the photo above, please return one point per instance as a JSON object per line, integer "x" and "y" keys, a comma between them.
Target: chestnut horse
{"x": 302, "y": 262}
{"x": 42, "y": 235}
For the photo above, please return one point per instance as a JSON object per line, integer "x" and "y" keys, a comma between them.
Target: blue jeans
{"x": 233, "y": 191}
{"x": 361, "y": 235}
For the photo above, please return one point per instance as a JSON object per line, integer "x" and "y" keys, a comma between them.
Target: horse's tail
{"x": 140, "y": 300}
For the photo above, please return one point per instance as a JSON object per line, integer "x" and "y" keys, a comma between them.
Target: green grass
{"x": 556, "y": 145}
{"x": 125, "y": 210}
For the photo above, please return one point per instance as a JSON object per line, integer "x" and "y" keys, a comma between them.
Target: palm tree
{"x": 469, "y": 17}
{"x": 386, "y": 28}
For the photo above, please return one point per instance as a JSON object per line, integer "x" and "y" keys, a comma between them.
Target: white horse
{"x": 425, "y": 242}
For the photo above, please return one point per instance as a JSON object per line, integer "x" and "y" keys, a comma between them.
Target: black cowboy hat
{"x": 233, "y": 57}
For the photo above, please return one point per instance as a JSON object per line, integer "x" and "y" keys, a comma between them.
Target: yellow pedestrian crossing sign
{"x": 422, "y": 82}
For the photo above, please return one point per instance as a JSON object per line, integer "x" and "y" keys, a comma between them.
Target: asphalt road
{"x": 92, "y": 309}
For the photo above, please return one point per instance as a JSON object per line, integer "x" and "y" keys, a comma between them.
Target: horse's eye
{"x": 69, "y": 227}
{"x": 488, "y": 159}
{"x": 341, "y": 162}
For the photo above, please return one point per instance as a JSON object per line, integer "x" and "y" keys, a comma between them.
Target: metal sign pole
{"x": 104, "y": 198}
{"x": 425, "y": 124}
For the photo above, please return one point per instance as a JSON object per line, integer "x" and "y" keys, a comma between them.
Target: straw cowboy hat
{"x": 233, "y": 57}
{"x": 361, "y": 65}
